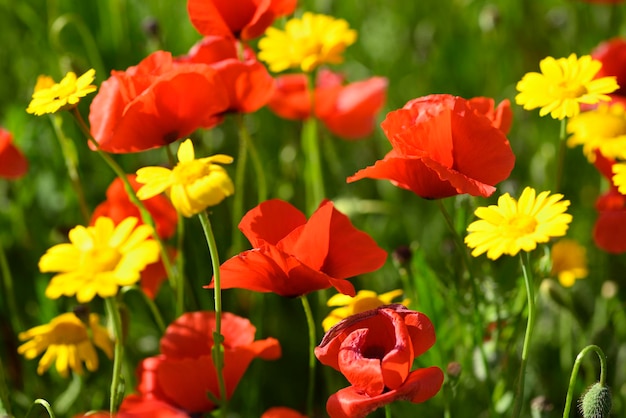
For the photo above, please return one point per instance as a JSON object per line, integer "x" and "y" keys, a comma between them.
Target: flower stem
{"x": 158, "y": 318}
{"x": 5, "y": 402}
{"x": 312, "y": 340}
{"x": 7, "y": 279}
{"x": 44, "y": 404}
{"x": 218, "y": 339}
{"x": 572, "y": 379}
{"x": 561, "y": 156}
{"x": 117, "y": 379}
{"x": 313, "y": 177}
{"x": 530, "y": 292}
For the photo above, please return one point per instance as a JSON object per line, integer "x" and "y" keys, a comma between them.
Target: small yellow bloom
{"x": 50, "y": 97}
{"x": 363, "y": 301}
{"x": 193, "y": 185}
{"x": 511, "y": 226}
{"x": 569, "y": 261}
{"x": 68, "y": 342}
{"x": 306, "y": 43}
{"x": 99, "y": 259}
{"x": 562, "y": 85}
{"x": 602, "y": 129}
{"x": 619, "y": 177}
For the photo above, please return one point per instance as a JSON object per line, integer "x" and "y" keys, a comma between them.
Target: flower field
{"x": 287, "y": 209}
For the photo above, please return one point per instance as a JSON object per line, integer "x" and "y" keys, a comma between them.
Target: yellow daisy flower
{"x": 569, "y": 261}
{"x": 563, "y": 84}
{"x": 619, "y": 177}
{"x": 602, "y": 129}
{"x": 68, "y": 342}
{"x": 99, "y": 259}
{"x": 192, "y": 185}
{"x": 511, "y": 226}
{"x": 50, "y": 97}
{"x": 363, "y": 301}
{"x": 306, "y": 43}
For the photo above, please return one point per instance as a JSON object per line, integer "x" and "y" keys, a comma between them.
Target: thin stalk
{"x": 218, "y": 359}
{"x": 116, "y": 380}
{"x": 572, "y": 379}
{"x": 387, "y": 411}
{"x": 257, "y": 164}
{"x": 45, "y": 405}
{"x": 156, "y": 314}
{"x": 5, "y": 400}
{"x": 9, "y": 293}
{"x": 313, "y": 175}
{"x": 240, "y": 179}
{"x": 312, "y": 341}
{"x": 560, "y": 163}
{"x": 530, "y": 292}
{"x": 70, "y": 156}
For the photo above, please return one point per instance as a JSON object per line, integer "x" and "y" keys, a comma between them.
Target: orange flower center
{"x": 101, "y": 259}
{"x": 570, "y": 91}
{"x": 190, "y": 171}
{"x": 68, "y": 333}
{"x": 518, "y": 226}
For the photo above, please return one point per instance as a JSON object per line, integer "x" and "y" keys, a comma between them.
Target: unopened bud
{"x": 596, "y": 402}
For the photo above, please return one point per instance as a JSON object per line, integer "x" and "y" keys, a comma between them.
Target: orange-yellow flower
{"x": 569, "y": 261}
{"x": 50, "y": 97}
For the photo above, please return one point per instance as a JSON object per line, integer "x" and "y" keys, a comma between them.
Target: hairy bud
{"x": 596, "y": 402}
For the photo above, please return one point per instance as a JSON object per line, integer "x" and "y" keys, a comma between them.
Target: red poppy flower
{"x": 243, "y": 19}
{"x": 604, "y": 2}
{"x": 292, "y": 257}
{"x": 348, "y": 111}
{"x": 134, "y": 406}
{"x": 13, "y": 164}
{"x": 609, "y": 231}
{"x": 155, "y": 103}
{"x": 183, "y": 373}
{"x": 375, "y": 350}
{"x": 282, "y": 412}
{"x": 443, "y": 146}
{"x": 612, "y": 55}
{"x": 247, "y": 81}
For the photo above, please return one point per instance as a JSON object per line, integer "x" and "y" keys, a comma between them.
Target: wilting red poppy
{"x": 444, "y": 146}
{"x": 247, "y": 81}
{"x": 293, "y": 256}
{"x": 243, "y": 19}
{"x": 13, "y": 164}
{"x": 183, "y": 373}
{"x": 375, "y": 350}
{"x": 612, "y": 55}
{"x": 134, "y": 406}
{"x": 155, "y": 103}
{"x": 348, "y": 111}
{"x": 282, "y": 412}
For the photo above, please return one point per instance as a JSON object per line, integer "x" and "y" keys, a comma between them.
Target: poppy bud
{"x": 596, "y": 402}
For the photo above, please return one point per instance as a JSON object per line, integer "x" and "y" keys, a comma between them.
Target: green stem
{"x": 45, "y": 406}
{"x": 530, "y": 292}
{"x": 5, "y": 400}
{"x": 313, "y": 176}
{"x": 312, "y": 341}
{"x": 387, "y": 411}
{"x": 70, "y": 157}
{"x": 572, "y": 379}
{"x": 7, "y": 279}
{"x": 560, "y": 164}
{"x": 156, "y": 314}
{"x": 218, "y": 348}
{"x": 117, "y": 379}
{"x": 240, "y": 179}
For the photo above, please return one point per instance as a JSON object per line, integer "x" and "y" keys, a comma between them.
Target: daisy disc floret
{"x": 512, "y": 226}
{"x": 68, "y": 342}
{"x": 192, "y": 185}
{"x": 50, "y": 97}
{"x": 306, "y": 43}
{"x": 562, "y": 85}
{"x": 99, "y": 259}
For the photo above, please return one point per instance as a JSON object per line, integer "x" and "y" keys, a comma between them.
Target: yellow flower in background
{"x": 306, "y": 43}
{"x": 619, "y": 177}
{"x": 99, "y": 259}
{"x": 511, "y": 226}
{"x": 50, "y": 97}
{"x": 569, "y": 261}
{"x": 602, "y": 129}
{"x": 562, "y": 85}
{"x": 68, "y": 342}
{"x": 192, "y": 185}
{"x": 363, "y": 301}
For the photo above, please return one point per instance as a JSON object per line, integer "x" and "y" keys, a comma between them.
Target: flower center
{"x": 190, "y": 171}
{"x": 518, "y": 226}
{"x": 68, "y": 333}
{"x": 374, "y": 351}
{"x": 571, "y": 91}
{"x": 101, "y": 259}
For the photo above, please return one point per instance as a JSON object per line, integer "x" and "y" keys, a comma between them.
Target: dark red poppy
{"x": 609, "y": 231}
{"x": 282, "y": 412}
{"x": 243, "y": 19}
{"x": 13, "y": 164}
{"x": 612, "y": 55}
{"x": 246, "y": 80}
{"x": 134, "y": 406}
{"x": 183, "y": 373}
{"x": 292, "y": 257}
{"x": 444, "y": 146}
{"x": 348, "y": 111}
{"x": 375, "y": 350}
{"x": 156, "y": 103}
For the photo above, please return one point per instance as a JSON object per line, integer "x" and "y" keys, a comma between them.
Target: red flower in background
{"x": 243, "y": 19}
{"x": 293, "y": 256}
{"x": 605, "y": 2}
{"x": 375, "y": 350}
{"x": 247, "y": 82}
{"x": 612, "y": 55}
{"x": 13, "y": 164}
{"x": 134, "y": 406}
{"x": 183, "y": 373}
{"x": 156, "y": 103}
{"x": 282, "y": 412}
{"x": 348, "y": 111}
{"x": 118, "y": 207}
{"x": 445, "y": 145}
{"x": 609, "y": 231}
